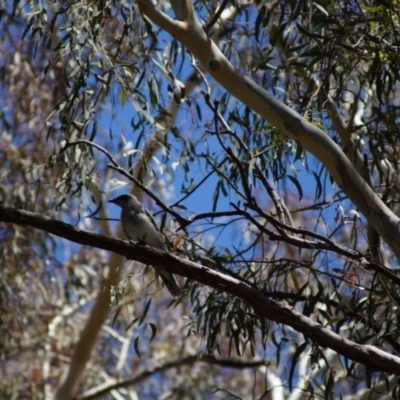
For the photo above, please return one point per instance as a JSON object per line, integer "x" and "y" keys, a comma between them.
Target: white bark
{"x": 191, "y": 34}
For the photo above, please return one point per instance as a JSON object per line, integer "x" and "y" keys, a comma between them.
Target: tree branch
{"x": 115, "y": 166}
{"x": 101, "y": 390}
{"x": 277, "y": 311}
{"x": 190, "y": 33}
{"x": 215, "y": 18}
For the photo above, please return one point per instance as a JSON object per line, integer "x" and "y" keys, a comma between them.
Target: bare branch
{"x": 211, "y": 214}
{"x": 100, "y": 390}
{"x": 216, "y": 16}
{"x": 115, "y": 166}
{"x": 277, "y": 311}
{"x": 323, "y": 244}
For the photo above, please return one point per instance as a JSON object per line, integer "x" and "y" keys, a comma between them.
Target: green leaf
{"x": 146, "y": 309}
{"x": 95, "y": 211}
{"x": 154, "y": 93}
{"x": 153, "y": 331}
{"x": 318, "y": 193}
{"x": 298, "y": 186}
{"x": 136, "y": 346}
{"x": 295, "y": 359}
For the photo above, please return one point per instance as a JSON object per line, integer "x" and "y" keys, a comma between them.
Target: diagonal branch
{"x": 190, "y": 33}
{"x": 277, "y": 311}
{"x": 216, "y": 16}
{"x": 115, "y": 166}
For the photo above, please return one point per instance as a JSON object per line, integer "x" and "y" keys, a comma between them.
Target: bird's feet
{"x": 141, "y": 241}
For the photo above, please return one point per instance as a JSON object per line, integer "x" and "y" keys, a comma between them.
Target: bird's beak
{"x": 112, "y": 201}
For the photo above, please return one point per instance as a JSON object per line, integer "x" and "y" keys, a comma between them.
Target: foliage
{"x": 93, "y": 89}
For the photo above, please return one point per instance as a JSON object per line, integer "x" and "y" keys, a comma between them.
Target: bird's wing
{"x": 126, "y": 232}
{"x": 151, "y": 218}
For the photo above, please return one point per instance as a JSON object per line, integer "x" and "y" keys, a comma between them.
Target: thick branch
{"x": 344, "y": 130}
{"x": 191, "y": 34}
{"x": 277, "y": 311}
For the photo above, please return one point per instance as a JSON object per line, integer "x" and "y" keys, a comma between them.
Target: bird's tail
{"x": 170, "y": 282}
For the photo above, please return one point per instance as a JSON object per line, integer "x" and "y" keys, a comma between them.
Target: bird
{"x": 139, "y": 225}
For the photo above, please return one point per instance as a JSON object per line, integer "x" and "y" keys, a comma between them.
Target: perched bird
{"x": 139, "y": 225}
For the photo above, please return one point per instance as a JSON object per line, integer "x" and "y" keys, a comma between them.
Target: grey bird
{"x": 139, "y": 225}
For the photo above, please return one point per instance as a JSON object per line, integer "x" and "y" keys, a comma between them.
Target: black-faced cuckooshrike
{"x": 139, "y": 225}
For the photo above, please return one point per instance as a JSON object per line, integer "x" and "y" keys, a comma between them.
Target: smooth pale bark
{"x": 191, "y": 34}
{"x": 98, "y": 315}
{"x": 348, "y": 140}
{"x": 100, "y": 310}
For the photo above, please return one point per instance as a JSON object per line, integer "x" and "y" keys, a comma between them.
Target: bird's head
{"x": 123, "y": 199}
